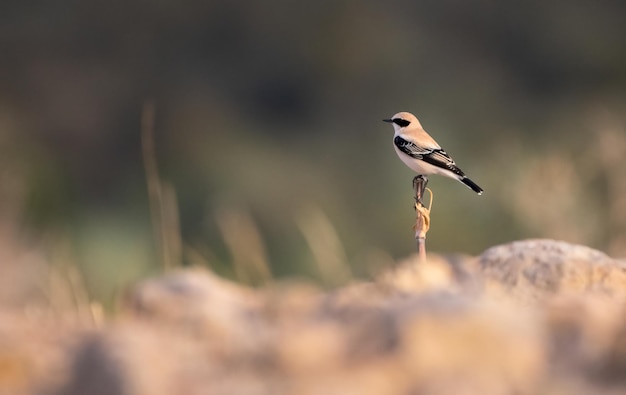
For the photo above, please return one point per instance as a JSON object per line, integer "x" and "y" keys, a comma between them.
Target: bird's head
{"x": 403, "y": 120}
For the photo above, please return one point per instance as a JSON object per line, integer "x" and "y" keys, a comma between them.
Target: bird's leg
{"x": 419, "y": 186}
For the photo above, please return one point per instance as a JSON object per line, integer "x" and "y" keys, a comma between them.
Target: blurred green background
{"x": 269, "y": 134}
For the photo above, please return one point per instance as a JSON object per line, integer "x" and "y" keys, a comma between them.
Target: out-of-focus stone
{"x": 532, "y": 317}
{"x": 474, "y": 347}
{"x": 532, "y": 270}
{"x": 200, "y": 303}
{"x": 35, "y": 354}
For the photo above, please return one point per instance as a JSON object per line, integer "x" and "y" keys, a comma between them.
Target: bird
{"x": 421, "y": 153}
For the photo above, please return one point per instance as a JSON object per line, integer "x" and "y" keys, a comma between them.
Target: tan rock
{"x": 532, "y": 270}
{"x": 530, "y": 317}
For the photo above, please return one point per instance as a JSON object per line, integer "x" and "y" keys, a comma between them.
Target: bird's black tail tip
{"x": 472, "y": 185}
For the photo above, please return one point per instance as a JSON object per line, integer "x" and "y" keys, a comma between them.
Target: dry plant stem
{"x": 422, "y": 215}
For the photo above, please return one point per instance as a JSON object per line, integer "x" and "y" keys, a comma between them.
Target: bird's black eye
{"x": 401, "y": 122}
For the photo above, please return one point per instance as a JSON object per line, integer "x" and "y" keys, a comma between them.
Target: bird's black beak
{"x": 388, "y": 120}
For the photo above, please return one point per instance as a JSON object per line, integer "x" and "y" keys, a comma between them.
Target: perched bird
{"x": 421, "y": 152}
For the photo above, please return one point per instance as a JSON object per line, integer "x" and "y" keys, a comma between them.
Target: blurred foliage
{"x": 268, "y": 116}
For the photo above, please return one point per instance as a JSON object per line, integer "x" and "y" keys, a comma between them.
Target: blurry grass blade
{"x": 325, "y": 245}
{"x": 66, "y": 288}
{"x": 245, "y": 244}
{"x": 97, "y": 313}
{"x": 609, "y": 155}
{"x": 195, "y": 257}
{"x": 162, "y": 197}
{"x": 170, "y": 225}
{"x": 79, "y": 292}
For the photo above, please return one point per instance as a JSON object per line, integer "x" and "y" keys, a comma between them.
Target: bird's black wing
{"x": 434, "y": 156}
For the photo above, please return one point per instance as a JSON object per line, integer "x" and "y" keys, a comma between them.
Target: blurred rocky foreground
{"x": 530, "y": 317}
